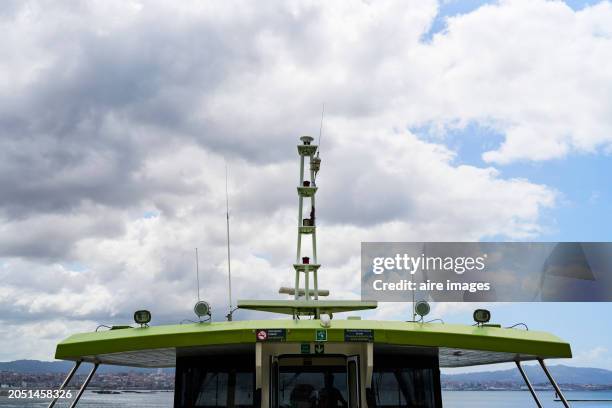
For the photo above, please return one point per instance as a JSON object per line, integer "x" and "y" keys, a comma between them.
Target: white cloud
{"x": 598, "y": 356}
{"x": 536, "y": 71}
{"x": 37, "y": 340}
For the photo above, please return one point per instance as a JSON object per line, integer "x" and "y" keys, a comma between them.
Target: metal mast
{"x": 307, "y": 226}
{"x": 229, "y": 265}
{"x": 306, "y": 298}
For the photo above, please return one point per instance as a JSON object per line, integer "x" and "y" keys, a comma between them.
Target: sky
{"x": 444, "y": 121}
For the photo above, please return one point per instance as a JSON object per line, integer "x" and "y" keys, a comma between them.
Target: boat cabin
{"x": 292, "y": 375}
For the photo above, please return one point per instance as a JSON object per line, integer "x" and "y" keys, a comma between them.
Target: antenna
{"x": 229, "y": 267}
{"x": 315, "y": 162}
{"x": 321, "y": 128}
{"x": 414, "y": 314}
{"x": 197, "y": 272}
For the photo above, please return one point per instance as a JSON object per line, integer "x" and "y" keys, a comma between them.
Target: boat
{"x": 322, "y": 354}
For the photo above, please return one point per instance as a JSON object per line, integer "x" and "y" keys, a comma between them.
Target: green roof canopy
{"x": 459, "y": 345}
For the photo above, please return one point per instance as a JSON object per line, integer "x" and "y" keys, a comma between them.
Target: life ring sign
{"x": 271, "y": 335}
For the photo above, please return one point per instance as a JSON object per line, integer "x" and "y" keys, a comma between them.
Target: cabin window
{"x": 319, "y": 382}
{"x": 309, "y": 387}
{"x": 211, "y": 382}
{"x": 404, "y": 387}
{"x": 405, "y": 382}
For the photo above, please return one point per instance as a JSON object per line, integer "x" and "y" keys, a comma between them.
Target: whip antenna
{"x": 321, "y": 128}
{"x": 315, "y": 162}
{"x": 229, "y": 267}
{"x": 197, "y": 272}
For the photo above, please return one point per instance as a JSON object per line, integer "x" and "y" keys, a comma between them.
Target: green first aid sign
{"x": 321, "y": 335}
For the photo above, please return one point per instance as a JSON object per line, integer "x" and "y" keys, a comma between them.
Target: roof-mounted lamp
{"x": 202, "y": 309}
{"x": 142, "y": 317}
{"x": 482, "y": 316}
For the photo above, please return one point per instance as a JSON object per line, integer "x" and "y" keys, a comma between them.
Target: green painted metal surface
{"x": 306, "y": 306}
{"x": 518, "y": 341}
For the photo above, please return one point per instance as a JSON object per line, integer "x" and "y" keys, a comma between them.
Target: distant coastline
{"x": 34, "y": 374}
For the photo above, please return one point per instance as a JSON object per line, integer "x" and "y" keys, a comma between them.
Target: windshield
{"x": 312, "y": 387}
{"x": 402, "y": 380}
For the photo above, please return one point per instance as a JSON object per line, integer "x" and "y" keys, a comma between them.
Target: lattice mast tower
{"x": 307, "y": 226}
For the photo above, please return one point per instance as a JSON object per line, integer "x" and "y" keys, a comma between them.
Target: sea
{"x": 451, "y": 399}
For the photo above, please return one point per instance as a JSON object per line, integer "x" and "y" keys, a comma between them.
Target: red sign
{"x": 271, "y": 334}
{"x": 262, "y": 335}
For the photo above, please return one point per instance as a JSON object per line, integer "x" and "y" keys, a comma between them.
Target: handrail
{"x": 553, "y": 383}
{"x": 531, "y": 390}
{"x": 85, "y": 384}
{"x": 65, "y": 383}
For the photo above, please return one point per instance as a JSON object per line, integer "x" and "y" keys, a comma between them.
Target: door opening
{"x": 315, "y": 382}
{"x": 352, "y": 370}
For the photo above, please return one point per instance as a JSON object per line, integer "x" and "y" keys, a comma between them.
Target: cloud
{"x": 598, "y": 356}
{"x": 537, "y": 72}
{"x": 60, "y": 266}
{"x": 37, "y": 340}
{"x": 117, "y": 118}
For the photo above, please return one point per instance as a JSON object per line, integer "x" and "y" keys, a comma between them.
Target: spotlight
{"x": 142, "y": 317}
{"x": 201, "y": 308}
{"x": 482, "y": 316}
